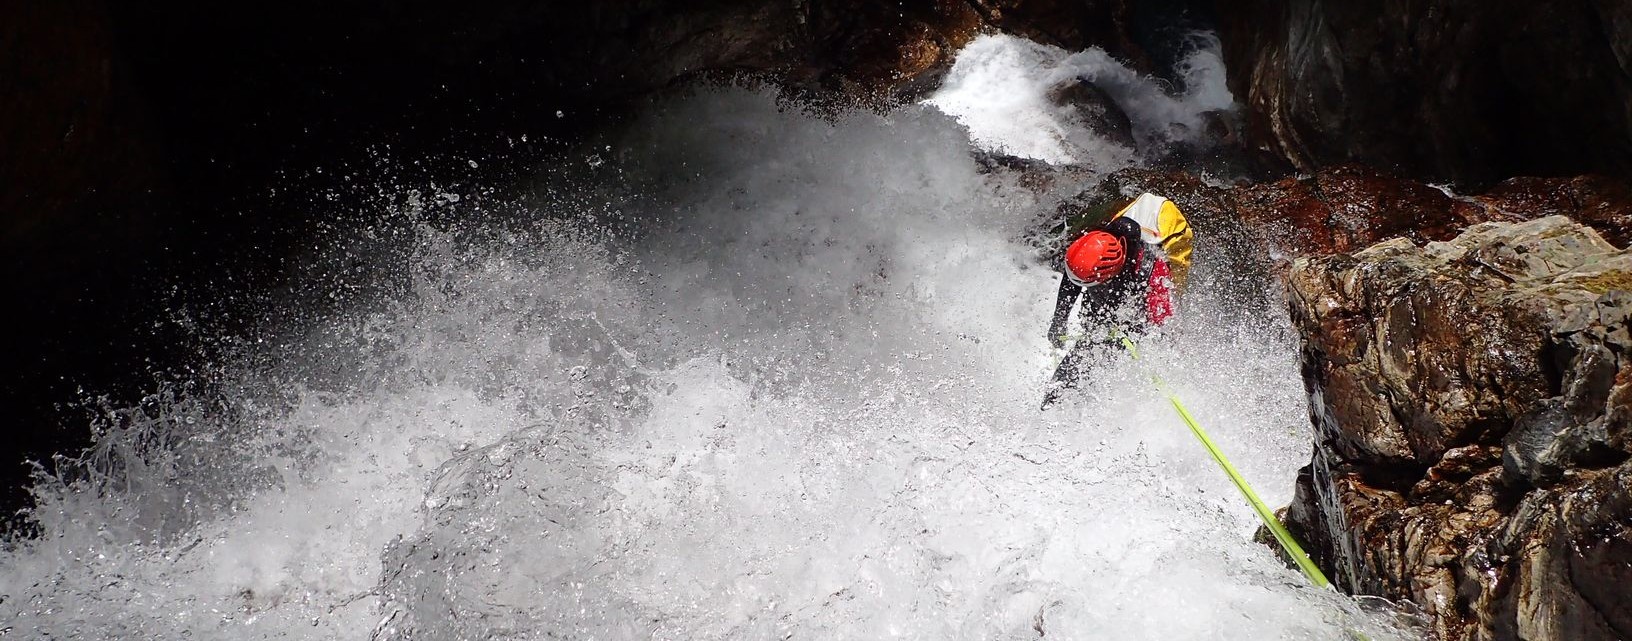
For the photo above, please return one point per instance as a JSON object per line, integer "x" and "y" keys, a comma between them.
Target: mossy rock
{"x": 1603, "y": 282}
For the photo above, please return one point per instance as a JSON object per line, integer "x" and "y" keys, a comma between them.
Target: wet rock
{"x": 1439, "y": 89}
{"x": 1091, "y": 108}
{"x": 1470, "y": 401}
{"x": 1084, "y": 107}
{"x": 1344, "y": 208}
{"x": 1347, "y": 207}
{"x": 1602, "y": 202}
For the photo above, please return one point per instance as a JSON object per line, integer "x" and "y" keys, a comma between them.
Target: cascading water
{"x": 747, "y": 374}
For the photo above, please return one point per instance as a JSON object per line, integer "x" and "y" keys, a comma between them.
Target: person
{"x": 1126, "y": 272}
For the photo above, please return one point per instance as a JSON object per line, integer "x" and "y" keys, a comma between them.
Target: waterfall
{"x": 734, "y": 371}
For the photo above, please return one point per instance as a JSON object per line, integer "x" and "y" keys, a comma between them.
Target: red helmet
{"x": 1094, "y": 258}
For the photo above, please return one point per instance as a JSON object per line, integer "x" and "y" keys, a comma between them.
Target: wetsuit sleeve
{"x": 1062, "y": 310}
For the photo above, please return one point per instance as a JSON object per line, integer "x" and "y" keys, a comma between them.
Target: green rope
{"x": 1285, "y": 538}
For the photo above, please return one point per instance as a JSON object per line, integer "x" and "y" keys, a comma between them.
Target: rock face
{"x": 1472, "y": 401}
{"x": 1472, "y": 92}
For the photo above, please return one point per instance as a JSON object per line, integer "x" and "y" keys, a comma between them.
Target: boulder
{"x": 1086, "y": 106}
{"x": 1471, "y": 401}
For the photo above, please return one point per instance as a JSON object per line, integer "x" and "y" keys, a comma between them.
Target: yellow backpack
{"x": 1165, "y": 228}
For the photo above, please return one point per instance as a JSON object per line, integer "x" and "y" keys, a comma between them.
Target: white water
{"x": 794, "y": 396}
{"x": 1000, "y": 90}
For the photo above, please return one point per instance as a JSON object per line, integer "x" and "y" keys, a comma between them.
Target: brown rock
{"x": 1599, "y": 201}
{"x": 1346, "y": 207}
{"x": 1470, "y": 403}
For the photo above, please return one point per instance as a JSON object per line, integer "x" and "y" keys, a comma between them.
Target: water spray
{"x": 1289, "y": 543}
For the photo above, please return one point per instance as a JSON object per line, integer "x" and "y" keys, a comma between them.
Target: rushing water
{"x": 737, "y": 372}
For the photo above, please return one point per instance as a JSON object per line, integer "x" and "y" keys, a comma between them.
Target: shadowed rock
{"x": 1471, "y": 92}
{"x": 1599, "y": 201}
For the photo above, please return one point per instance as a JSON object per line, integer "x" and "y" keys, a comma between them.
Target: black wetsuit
{"x": 1106, "y": 308}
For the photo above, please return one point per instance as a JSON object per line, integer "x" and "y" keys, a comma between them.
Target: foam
{"x": 792, "y": 392}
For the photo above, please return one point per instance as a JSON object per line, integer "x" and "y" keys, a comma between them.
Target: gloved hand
{"x": 1059, "y": 340}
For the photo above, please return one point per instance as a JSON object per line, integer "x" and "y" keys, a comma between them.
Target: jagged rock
{"x": 1470, "y": 401}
